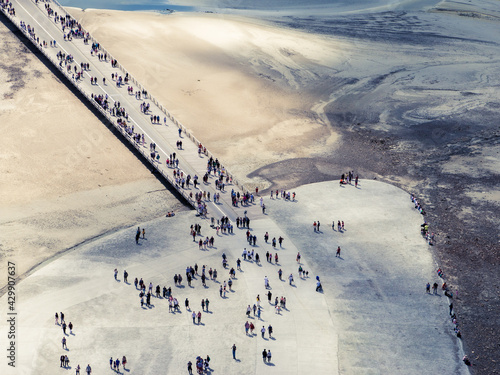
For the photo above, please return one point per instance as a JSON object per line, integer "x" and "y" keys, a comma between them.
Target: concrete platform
{"x": 374, "y": 316}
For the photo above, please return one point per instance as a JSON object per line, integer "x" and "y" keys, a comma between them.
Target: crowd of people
{"x": 7, "y": 7}
{"x": 348, "y": 177}
{"x": 115, "y": 363}
{"x": 448, "y": 293}
{"x": 424, "y": 230}
{"x": 64, "y": 359}
{"x": 202, "y": 365}
{"x": 286, "y": 195}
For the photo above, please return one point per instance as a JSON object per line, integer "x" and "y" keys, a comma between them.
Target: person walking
{"x": 57, "y": 319}
{"x": 199, "y": 317}
{"x": 116, "y": 274}
{"x": 263, "y": 331}
{"x": 247, "y": 326}
{"x": 428, "y": 288}
{"x": 117, "y": 365}
{"x": 264, "y": 355}
{"x": 190, "y": 368}
{"x": 64, "y": 328}
{"x": 268, "y": 355}
{"x": 270, "y": 331}
{"x": 77, "y": 370}
{"x": 64, "y": 343}
{"x": 194, "y": 317}
{"x": 290, "y": 279}
{"x": 124, "y": 361}
{"x": 70, "y": 326}
{"x": 89, "y": 369}
{"x": 233, "y": 348}
{"x": 206, "y": 303}
{"x": 434, "y": 288}
{"x": 125, "y": 276}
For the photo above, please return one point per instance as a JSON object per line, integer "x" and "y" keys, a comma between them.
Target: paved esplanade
{"x": 164, "y": 135}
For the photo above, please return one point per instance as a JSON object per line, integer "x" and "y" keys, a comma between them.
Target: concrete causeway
{"x": 164, "y": 134}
